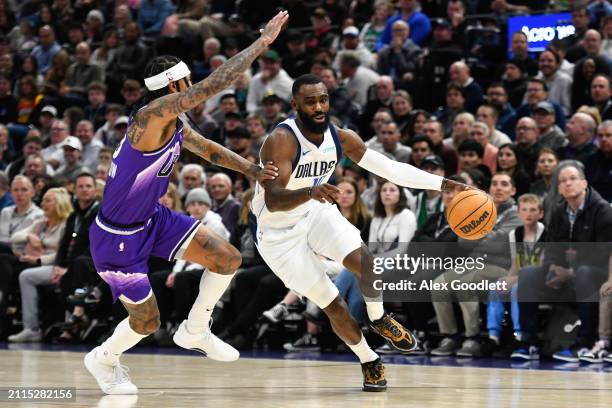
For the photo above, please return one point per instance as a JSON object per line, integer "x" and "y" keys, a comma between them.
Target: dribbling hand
{"x": 325, "y": 193}
{"x": 274, "y": 27}
{"x": 451, "y": 185}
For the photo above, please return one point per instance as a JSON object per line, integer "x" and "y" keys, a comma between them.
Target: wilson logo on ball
{"x": 474, "y": 223}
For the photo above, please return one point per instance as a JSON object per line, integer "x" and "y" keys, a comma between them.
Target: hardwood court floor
{"x": 170, "y": 381}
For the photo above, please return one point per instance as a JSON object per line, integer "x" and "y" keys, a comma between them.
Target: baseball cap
{"x": 50, "y": 109}
{"x": 271, "y": 55}
{"x": 233, "y": 115}
{"x": 197, "y": 195}
{"x": 351, "y": 31}
{"x": 433, "y": 160}
{"x": 545, "y": 106}
{"x": 440, "y": 22}
{"x": 73, "y": 142}
{"x": 270, "y": 97}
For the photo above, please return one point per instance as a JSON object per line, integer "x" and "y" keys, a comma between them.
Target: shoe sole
{"x": 178, "y": 343}
{"x": 524, "y": 358}
{"x": 566, "y": 359}
{"x": 443, "y": 354}
{"x": 590, "y": 360}
{"x": 374, "y": 388}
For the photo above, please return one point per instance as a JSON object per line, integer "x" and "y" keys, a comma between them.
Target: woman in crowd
{"x": 371, "y": 31}
{"x": 105, "y": 54}
{"x": 42, "y": 240}
{"x": 461, "y": 129}
{"x": 547, "y": 162}
{"x": 401, "y": 106}
{"x": 507, "y": 160}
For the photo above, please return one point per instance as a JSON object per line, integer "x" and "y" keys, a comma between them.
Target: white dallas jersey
{"x": 313, "y": 165}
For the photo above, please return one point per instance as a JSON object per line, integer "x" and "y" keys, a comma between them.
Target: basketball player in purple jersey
{"x": 131, "y": 225}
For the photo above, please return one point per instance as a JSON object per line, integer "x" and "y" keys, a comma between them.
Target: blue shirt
{"x": 44, "y": 56}
{"x": 419, "y": 24}
{"x": 6, "y": 201}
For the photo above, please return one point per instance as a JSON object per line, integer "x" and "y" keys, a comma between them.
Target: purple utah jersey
{"x": 131, "y": 224}
{"x": 137, "y": 180}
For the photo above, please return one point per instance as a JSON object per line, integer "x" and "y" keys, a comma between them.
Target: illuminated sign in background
{"x": 541, "y": 29}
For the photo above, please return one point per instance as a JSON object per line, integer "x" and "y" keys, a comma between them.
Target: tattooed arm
{"x": 163, "y": 111}
{"x": 217, "y": 154}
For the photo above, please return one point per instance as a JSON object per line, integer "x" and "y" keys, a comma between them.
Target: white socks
{"x": 363, "y": 351}
{"x": 212, "y": 287}
{"x": 375, "y": 310}
{"x": 123, "y": 338}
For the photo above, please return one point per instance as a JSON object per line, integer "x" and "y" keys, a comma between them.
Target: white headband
{"x": 161, "y": 80}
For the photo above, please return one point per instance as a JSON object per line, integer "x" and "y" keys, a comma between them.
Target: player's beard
{"x": 310, "y": 124}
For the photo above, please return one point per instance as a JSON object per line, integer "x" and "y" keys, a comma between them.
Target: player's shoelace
{"x": 120, "y": 374}
{"x": 374, "y": 372}
{"x": 390, "y": 325}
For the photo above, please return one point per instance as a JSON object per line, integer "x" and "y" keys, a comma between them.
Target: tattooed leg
{"x": 210, "y": 250}
{"x": 144, "y": 317}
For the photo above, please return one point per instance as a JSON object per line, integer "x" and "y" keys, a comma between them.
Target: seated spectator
{"x": 104, "y": 55}
{"x": 435, "y": 132}
{"x": 299, "y": 61}
{"x": 6, "y": 200}
{"x": 106, "y": 133}
{"x": 497, "y": 96}
{"x": 152, "y": 15}
{"x": 460, "y": 72}
{"x": 46, "y": 50}
{"x": 272, "y": 78}
{"x": 257, "y": 129}
{"x": 21, "y": 215}
{"x": 420, "y": 27}
{"x": 358, "y": 79}
{"x": 488, "y": 114}
{"x": 559, "y": 84}
{"x": 79, "y": 75}
{"x": 460, "y": 130}
{"x": 224, "y": 203}
{"x": 422, "y": 146}
{"x": 549, "y": 134}
{"x": 546, "y": 164}
{"x": 494, "y": 245}
{"x": 73, "y": 166}
{"x": 600, "y": 94}
{"x": 471, "y": 155}
{"x": 352, "y": 43}
{"x": 428, "y": 202}
{"x": 388, "y": 142}
{"x": 28, "y": 99}
{"x": 537, "y": 91}
{"x": 272, "y": 110}
{"x": 8, "y": 101}
{"x": 373, "y": 29}
{"x": 7, "y": 152}
{"x": 129, "y": 60}
{"x": 91, "y": 146}
{"x": 580, "y": 133}
{"x": 191, "y": 176}
{"x": 95, "y": 109}
{"x": 527, "y": 147}
{"x": 340, "y": 103}
{"x": 514, "y": 80}
{"x": 455, "y": 104}
{"x": 227, "y": 103}
{"x": 480, "y": 132}
{"x": 42, "y": 241}
{"x": 131, "y": 94}
{"x": 581, "y": 216}
{"x": 399, "y": 59}
{"x": 519, "y": 46}
{"x": 401, "y": 106}
{"x": 508, "y": 162}
{"x": 599, "y": 166}
{"x": 31, "y": 145}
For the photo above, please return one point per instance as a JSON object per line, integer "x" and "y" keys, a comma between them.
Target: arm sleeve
{"x": 402, "y": 174}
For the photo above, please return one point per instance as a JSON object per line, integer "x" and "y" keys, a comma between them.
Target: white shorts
{"x": 293, "y": 253}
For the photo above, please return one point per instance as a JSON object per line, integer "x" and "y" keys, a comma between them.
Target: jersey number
{"x": 166, "y": 169}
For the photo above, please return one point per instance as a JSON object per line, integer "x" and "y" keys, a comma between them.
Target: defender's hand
{"x": 268, "y": 172}
{"x": 325, "y": 193}
{"x": 274, "y": 27}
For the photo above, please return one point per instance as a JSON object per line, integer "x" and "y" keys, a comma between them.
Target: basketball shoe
{"x": 374, "y": 376}
{"x": 597, "y": 354}
{"x": 112, "y": 379}
{"x": 398, "y": 337}
{"x": 206, "y": 343}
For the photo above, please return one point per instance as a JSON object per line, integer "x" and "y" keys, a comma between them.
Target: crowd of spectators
{"x": 429, "y": 82}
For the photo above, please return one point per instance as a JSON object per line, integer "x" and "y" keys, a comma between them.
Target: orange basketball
{"x": 471, "y": 214}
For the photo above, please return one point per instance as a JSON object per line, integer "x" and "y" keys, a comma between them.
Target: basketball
{"x": 471, "y": 214}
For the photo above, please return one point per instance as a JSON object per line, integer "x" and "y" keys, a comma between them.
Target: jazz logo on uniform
{"x": 121, "y": 246}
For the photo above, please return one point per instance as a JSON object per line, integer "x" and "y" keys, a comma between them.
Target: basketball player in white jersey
{"x": 295, "y": 221}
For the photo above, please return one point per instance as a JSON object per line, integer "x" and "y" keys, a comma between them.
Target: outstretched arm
{"x": 223, "y": 157}
{"x": 281, "y": 147}
{"x": 163, "y": 110}
{"x": 402, "y": 174}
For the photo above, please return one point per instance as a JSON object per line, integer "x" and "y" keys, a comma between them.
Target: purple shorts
{"x": 120, "y": 253}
